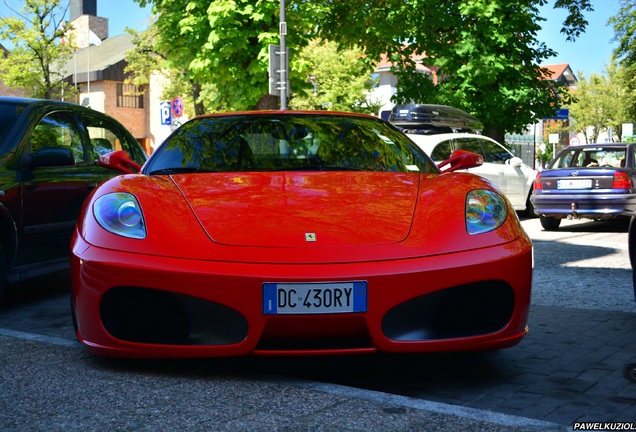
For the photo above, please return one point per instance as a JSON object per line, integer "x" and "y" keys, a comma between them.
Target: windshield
{"x": 591, "y": 157}
{"x": 279, "y": 142}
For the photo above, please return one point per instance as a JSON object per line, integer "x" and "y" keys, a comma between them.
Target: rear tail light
{"x": 537, "y": 182}
{"x": 621, "y": 181}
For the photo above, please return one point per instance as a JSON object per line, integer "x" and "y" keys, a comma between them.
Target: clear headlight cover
{"x": 485, "y": 211}
{"x": 120, "y": 213}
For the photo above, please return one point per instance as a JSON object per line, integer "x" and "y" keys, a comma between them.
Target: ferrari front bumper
{"x": 131, "y": 305}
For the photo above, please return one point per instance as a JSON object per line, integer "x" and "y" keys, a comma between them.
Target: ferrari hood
{"x": 316, "y": 209}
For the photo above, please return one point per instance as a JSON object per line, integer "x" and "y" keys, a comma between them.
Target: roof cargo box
{"x": 432, "y": 119}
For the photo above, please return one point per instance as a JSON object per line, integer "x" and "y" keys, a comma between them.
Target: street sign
{"x": 276, "y": 72}
{"x": 177, "y": 106}
{"x": 166, "y": 113}
{"x": 574, "y": 141}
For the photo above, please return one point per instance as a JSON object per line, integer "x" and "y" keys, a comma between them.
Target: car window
{"x": 471, "y": 145}
{"x": 567, "y": 159}
{"x": 106, "y": 136}
{"x": 591, "y": 157}
{"x": 442, "y": 151}
{"x": 58, "y": 129}
{"x": 286, "y": 142}
{"x": 9, "y": 113}
{"x": 495, "y": 153}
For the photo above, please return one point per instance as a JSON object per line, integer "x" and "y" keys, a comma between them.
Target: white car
{"x": 507, "y": 171}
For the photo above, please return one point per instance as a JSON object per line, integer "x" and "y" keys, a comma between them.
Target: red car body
{"x": 226, "y": 252}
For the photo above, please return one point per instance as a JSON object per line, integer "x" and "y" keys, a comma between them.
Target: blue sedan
{"x": 590, "y": 182}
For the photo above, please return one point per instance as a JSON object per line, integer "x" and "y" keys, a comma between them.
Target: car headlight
{"x": 485, "y": 211}
{"x": 120, "y": 213}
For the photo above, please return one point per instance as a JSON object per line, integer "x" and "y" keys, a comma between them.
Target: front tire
{"x": 529, "y": 211}
{"x": 550, "y": 224}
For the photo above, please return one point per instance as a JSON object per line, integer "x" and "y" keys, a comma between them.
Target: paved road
{"x": 575, "y": 365}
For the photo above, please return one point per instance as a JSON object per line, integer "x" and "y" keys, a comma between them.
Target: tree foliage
{"x": 485, "y": 52}
{"x": 36, "y": 33}
{"x": 624, "y": 23}
{"x": 601, "y": 103}
{"x": 338, "y": 80}
{"x": 225, "y": 42}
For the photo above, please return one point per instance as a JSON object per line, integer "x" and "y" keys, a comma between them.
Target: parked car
{"x": 440, "y": 130}
{"x": 507, "y": 171}
{"x": 48, "y": 166}
{"x": 594, "y": 181}
{"x": 287, "y": 233}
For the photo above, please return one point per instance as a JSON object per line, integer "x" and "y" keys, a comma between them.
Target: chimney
{"x": 83, "y": 7}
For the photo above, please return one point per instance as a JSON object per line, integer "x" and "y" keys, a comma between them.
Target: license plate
{"x": 574, "y": 184}
{"x": 314, "y": 298}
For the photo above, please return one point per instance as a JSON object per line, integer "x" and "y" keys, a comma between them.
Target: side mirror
{"x": 119, "y": 160}
{"x": 52, "y": 156}
{"x": 515, "y": 162}
{"x": 460, "y": 159}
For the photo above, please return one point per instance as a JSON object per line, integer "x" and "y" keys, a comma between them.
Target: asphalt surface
{"x": 577, "y": 364}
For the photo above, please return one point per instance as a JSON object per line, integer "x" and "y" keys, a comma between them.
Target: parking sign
{"x": 166, "y": 113}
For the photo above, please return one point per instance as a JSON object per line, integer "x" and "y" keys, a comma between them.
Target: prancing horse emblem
{"x": 310, "y": 237}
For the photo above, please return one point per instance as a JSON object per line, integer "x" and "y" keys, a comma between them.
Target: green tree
{"x": 225, "y": 42}
{"x": 485, "y": 52}
{"x": 147, "y": 60}
{"x": 36, "y": 33}
{"x": 338, "y": 80}
{"x": 600, "y": 103}
{"x": 624, "y": 23}
{"x": 618, "y": 105}
{"x": 589, "y": 112}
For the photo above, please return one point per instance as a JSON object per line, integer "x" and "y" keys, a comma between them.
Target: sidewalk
{"x": 52, "y": 384}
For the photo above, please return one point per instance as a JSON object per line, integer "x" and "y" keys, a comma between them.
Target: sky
{"x": 589, "y": 54}
{"x": 120, "y": 13}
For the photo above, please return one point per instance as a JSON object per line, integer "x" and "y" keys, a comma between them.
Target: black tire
{"x": 529, "y": 211}
{"x": 550, "y": 224}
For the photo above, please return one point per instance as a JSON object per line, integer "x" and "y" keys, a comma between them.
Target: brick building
{"x": 97, "y": 70}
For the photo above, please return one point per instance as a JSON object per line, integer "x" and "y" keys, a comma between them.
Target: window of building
{"x": 129, "y": 96}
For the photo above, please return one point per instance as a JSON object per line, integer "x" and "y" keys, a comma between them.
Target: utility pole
{"x": 283, "y": 60}
{"x": 279, "y": 63}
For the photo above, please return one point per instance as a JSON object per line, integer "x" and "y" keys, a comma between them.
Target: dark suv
{"x": 48, "y": 166}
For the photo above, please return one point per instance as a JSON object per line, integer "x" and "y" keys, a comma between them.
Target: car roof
{"x": 255, "y": 113}
{"x": 26, "y": 100}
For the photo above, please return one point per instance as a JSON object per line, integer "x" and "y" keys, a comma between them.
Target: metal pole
{"x": 283, "y": 60}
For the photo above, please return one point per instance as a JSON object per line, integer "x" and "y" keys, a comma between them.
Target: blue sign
{"x": 563, "y": 114}
{"x": 166, "y": 113}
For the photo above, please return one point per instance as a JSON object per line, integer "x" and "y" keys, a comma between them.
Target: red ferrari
{"x": 296, "y": 233}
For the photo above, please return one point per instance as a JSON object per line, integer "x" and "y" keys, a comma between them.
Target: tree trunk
{"x": 268, "y": 102}
{"x": 496, "y": 134}
{"x": 199, "y": 109}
